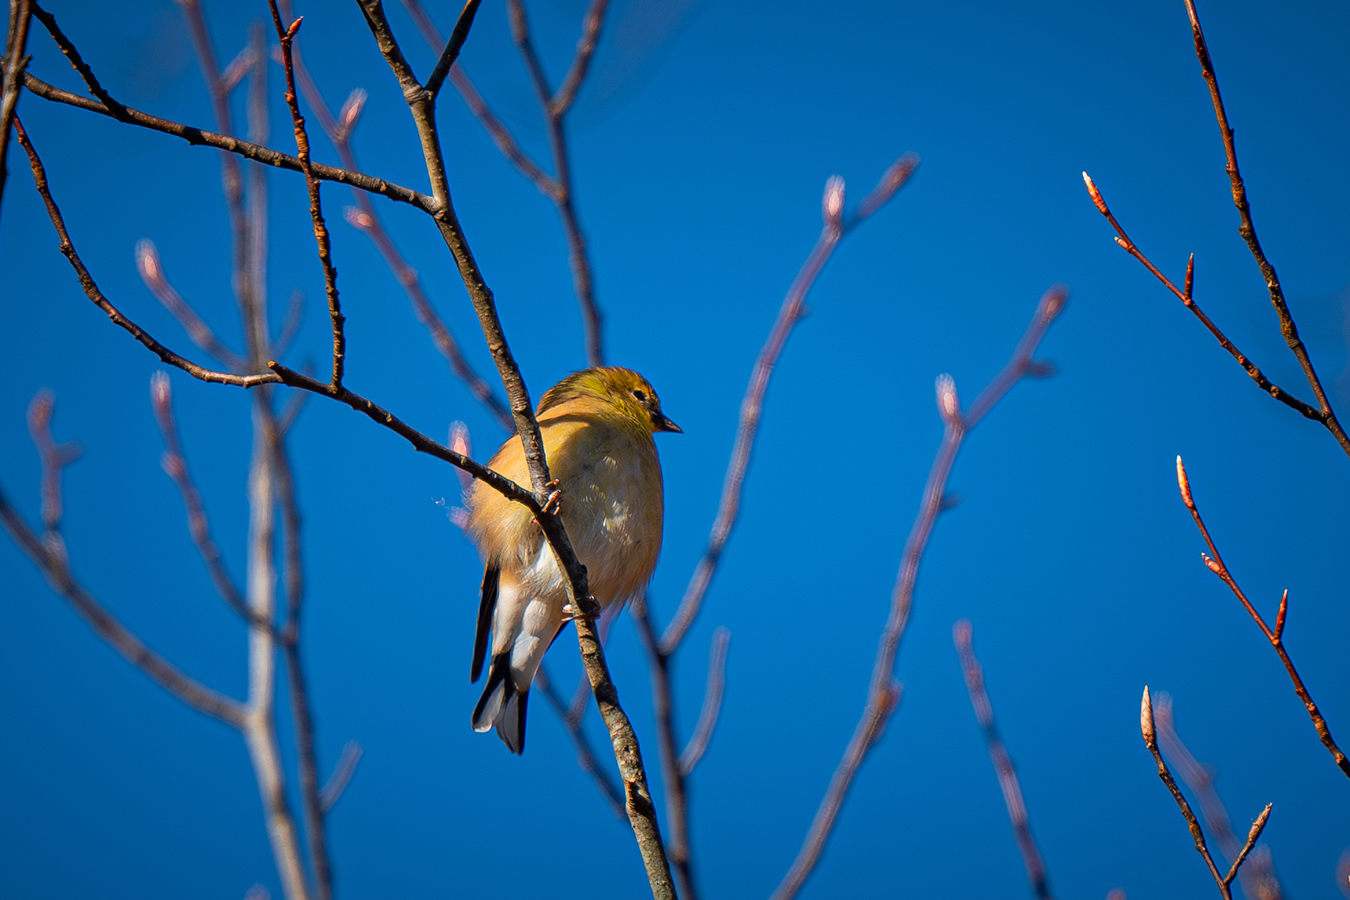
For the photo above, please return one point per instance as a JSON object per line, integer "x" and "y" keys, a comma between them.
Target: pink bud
{"x": 832, "y": 206}
{"x": 347, "y": 116}
{"x": 1146, "y": 720}
{"x": 147, "y": 262}
{"x": 356, "y": 218}
{"x": 949, "y": 405}
{"x": 1184, "y": 484}
{"x": 1096, "y": 195}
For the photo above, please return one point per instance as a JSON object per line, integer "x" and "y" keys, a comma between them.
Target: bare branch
{"x": 672, "y": 776}
{"x": 499, "y": 133}
{"x": 265, "y": 155}
{"x": 712, "y": 703}
{"x": 452, "y": 47}
{"x": 962, "y": 636}
{"x": 792, "y": 311}
{"x": 553, "y": 117}
{"x": 1188, "y": 301}
{"x": 590, "y": 36}
{"x": 342, "y": 775}
{"x": 152, "y": 273}
{"x": 1215, "y": 564}
{"x": 11, "y": 75}
{"x": 290, "y": 326}
{"x": 1248, "y": 231}
{"x": 1258, "y": 875}
{"x": 321, "y": 237}
{"x": 1224, "y": 882}
{"x": 175, "y": 466}
{"x": 93, "y": 293}
{"x": 53, "y": 456}
{"x": 884, "y": 691}
{"x": 586, "y": 759}
{"x": 50, "y": 557}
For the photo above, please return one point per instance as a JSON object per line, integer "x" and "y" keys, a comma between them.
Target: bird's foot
{"x": 590, "y": 611}
{"x": 554, "y": 502}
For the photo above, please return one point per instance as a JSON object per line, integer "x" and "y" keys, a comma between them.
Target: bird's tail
{"x": 503, "y": 704}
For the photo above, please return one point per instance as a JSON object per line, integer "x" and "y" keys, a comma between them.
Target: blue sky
{"x": 698, "y": 175}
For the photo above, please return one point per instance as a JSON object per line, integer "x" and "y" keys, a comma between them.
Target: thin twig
{"x": 290, "y": 326}
{"x": 1214, "y": 562}
{"x": 49, "y": 554}
{"x": 93, "y": 293}
{"x": 77, "y": 62}
{"x": 586, "y": 759}
{"x": 175, "y": 466}
{"x": 336, "y": 785}
{"x": 53, "y": 456}
{"x": 1224, "y": 882}
{"x": 712, "y": 703}
{"x": 260, "y": 731}
{"x": 286, "y": 33}
{"x": 499, "y": 133}
{"x": 1248, "y": 232}
{"x": 752, "y": 406}
{"x": 11, "y": 76}
{"x": 201, "y": 137}
{"x": 962, "y": 636}
{"x": 884, "y": 691}
{"x": 458, "y": 35}
{"x": 1258, "y": 878}
{"x": 566, "y": 94}
{"x": 554, "y": 109}
{"x": 1185, "y": 296}
{"x": 364, "y": 218}
{"x": 152, "y": 273}
{"x": 673, "y": 779}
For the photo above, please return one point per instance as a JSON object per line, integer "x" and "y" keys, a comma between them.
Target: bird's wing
{"x": 491, "y": 583}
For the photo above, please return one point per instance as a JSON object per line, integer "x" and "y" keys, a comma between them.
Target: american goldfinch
{"x": 597, "y": 427}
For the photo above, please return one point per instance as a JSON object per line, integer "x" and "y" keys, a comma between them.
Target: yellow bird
{"x": 597, "y": 427}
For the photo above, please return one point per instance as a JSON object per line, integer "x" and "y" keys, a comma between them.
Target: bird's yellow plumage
{"x": 597, "y": 427}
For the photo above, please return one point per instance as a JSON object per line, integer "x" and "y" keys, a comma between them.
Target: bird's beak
{"x": 661, "y": 423}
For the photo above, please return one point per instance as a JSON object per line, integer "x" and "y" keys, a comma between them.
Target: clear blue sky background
{"x": 698, "y": 174}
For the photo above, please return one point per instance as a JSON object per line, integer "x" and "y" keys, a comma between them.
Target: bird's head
{"x": 623, "y": 391}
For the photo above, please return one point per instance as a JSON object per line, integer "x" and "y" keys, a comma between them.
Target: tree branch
{"x": 1248, "y": 232}
{"x": 585, "y": 755}
{"x": 792, "y": 311}
{"x": 1188, "y": 301}
{"x": 364, "y": 218}
{"x": 1224, "y": 882}
{"x": 336, "y": 785}
{"x": 672, "y": 776}
{"x": 884, "y": 691}
{"x": 267, "y": 156}
{"x": 1258, "y": 878}
{"x": 11, "y": 75}
{"x": 557, "y": 139}
{"x": 152, "y": 273}
{"x": 286, "y": 34}
{"x": 962, "y": 636}
{"x": 458, "y": 35}
{"x": 712, "y": 703}
{"x": 1214, "y": 562}
{"x": 93, "y": 293}
{"x": 49, "y": 554}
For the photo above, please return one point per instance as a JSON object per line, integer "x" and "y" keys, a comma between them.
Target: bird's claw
{"x": 571, "y": 614}
{"x": 554, "y": 502}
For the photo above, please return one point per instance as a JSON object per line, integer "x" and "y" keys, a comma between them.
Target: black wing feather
{"x": 492, "y": 577}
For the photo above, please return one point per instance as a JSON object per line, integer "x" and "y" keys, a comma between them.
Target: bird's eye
{"x": 640, "y": 394}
